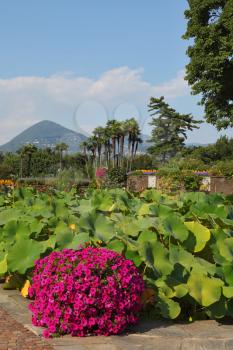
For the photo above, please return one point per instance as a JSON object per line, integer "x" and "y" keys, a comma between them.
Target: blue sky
{"x": 58, "y": 57}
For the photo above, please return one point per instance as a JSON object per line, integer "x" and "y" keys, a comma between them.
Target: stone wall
{"x": 139, "y": 183}
{"x": 221, "y": 185}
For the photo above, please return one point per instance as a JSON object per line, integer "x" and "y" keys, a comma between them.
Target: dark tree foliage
{"x": 221, "y": 150}
{"x": 34, "y": 162}
{"x": 210, "y": 70}
{"x": 169, "y": 129}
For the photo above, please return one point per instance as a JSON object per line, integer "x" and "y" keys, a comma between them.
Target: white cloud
{"x": 26, "y": 100}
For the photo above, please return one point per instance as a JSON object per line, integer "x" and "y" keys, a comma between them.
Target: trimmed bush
{"x": 88, "y": 291}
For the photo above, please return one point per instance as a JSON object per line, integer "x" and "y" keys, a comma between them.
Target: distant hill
{"x": 45, "y": 134}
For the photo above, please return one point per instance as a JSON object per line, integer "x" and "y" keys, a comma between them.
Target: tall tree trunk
{"x": 114, "y": 151}
{"x": 29, "y": 164}
{"x": 60, "y": 160}
{"x": 136, "y": 149}
{"x": 99, "y": 149}
{"x": 21, "y": 166}
{"x": 118, "y": 151}
{"x": 132, "y": 153}
{"x": 86, "y": 162}
{"x": 122, "y": 142}
{"x": 129, "y": 151}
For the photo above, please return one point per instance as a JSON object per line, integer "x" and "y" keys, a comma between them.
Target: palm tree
{"x": 123, "y": 134}
{"x": 92, "y": 147}
{"x": 61, "y": 147}
{"x": 84, "y": 146}
{"x": 99, "y": 134}
{"x": 27, "y": 151}
{"x": 114, "y": 129}
{"x": 133, "y": 132}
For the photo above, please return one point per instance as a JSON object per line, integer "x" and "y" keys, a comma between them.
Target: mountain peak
{"x": 45, "y": 133}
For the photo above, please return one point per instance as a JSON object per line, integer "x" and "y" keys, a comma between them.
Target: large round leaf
{"x": 201, "y": 233}
{"x": 204, "y": 290}
{"x": 226, "y": 248}
{"x": 168, "y": 307}
{"x": 23, "y": 254}
{"x": 116, "y": 245}
{"x": 64, "y": 235}
{"x": 104, "y": 228}
{"x": 179, "y": 255}
{"x": 173, "y": 225}
{"x": 3, "y": 265}
{"x": 79, "y": 240}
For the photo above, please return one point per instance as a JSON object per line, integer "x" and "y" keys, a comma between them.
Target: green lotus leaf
{"x": 7, "y": 215}
{"x": 161, "y": 259}
{"x": 60, "y": 208}
{"x": 204, "y": 290}
{"x": 144, "y": 209}
{"x": 204, "y": 209}
{"x": 219, "y": 309}
{"x": 202, "y": 234}
{"x": 49, "y": 243}
{"x": 36, "y": 226}
{"x": 14, "y": 229}
{"x": 164, "y": 288}
{"x": 227, "y": 273}
{"x": 156, "y": 256}
{"x": 3, "y": 265}
{"x": 168, "y": 307}
{"x": 146, "y": 254}
{"x": 116, "y": 245}
{"x": 129, "y": 226}
{"x": 160, "y": 210}
{"x": 147, "y": 236}
{"x": 64, "y": 235}
{"x": 179, "y": 255}
{"x": 151, "y": 195}
{"x": 180, "y": 290}
{"x": 227, "y": 291}
{"x": 226, "y": 248}
{"x": 85, "y": 206}
{"x": 133, "y": 256}
{"x": 41, "y": 209}
{"x": 146, "y": 223}
{"x": 79, "y": 240}
{"x": 203, "y": 266}
{"x": 173, "y": 225}
{"x": 104, "y": 228}
{"x": 23, "y": 254}
{"x": 107, "y": 204}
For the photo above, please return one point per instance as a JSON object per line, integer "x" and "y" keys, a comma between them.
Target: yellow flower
{"x": 24, "y": 290}
{"x": 72, "y": 227}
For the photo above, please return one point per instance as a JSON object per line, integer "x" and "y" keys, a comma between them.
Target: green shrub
{"x": 192, "y": 182}
{"x": 223, "y": 168}
{"x": 116, "y": 177}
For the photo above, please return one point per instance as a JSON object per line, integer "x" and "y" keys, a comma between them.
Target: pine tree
{"x": 169, "y": 129}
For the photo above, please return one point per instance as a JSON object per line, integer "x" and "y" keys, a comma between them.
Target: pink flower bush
{"x": 101, "y": 172}
{"x": 88, "y": 291}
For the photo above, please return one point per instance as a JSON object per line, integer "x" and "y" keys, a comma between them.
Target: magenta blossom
{"x": 101, "y": 172}
{"x": 89, "y": 291}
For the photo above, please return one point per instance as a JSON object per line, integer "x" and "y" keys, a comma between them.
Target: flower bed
{"x": 88, "y": 291}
